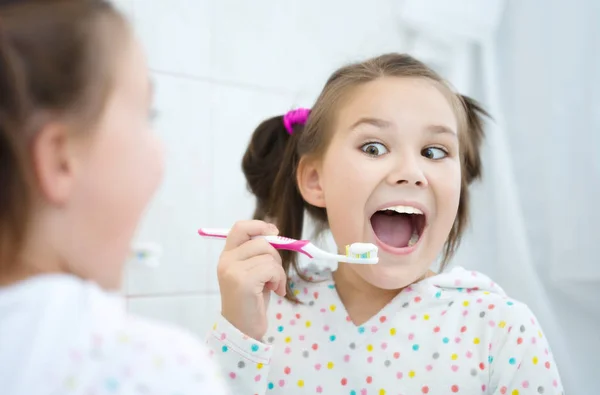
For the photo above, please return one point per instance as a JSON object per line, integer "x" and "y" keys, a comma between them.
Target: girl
{"x": 386, "y": 156}
{"x": 78, "y": 164}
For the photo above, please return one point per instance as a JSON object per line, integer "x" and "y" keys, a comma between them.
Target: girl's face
{"x": 116, "y": 170}
{"x": 391, "y": 176}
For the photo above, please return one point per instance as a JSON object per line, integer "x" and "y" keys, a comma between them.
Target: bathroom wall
{"x": 220, "y": 67}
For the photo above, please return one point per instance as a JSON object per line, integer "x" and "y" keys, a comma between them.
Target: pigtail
{"x": 288, "y": 208}
{"x": 471, "y": 169}
{"x": 475, "y": 114}
{"x": 269, "y": 164}
{"x": 262, "y": 162}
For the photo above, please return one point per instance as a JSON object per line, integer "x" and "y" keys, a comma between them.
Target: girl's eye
{"x": 434, "y": 153}
{"x": 374, "y": 149}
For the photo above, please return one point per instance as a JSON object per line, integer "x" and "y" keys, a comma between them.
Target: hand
{"x": 248, "y": 271}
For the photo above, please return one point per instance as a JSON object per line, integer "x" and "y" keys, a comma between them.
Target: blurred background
{"x": 222, "y": 66}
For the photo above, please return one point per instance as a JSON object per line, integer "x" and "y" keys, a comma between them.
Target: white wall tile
{"x": 257, "y": 59}
{"x": 212, "y": 308}
{"x": 125, "y": 6}
{"x": 236, "y": 112}
{"x": 293, "y": 44}
{"x": 192, "y": 312}
{"x": 176, "y": 34}
{"x": 183, "y": 202}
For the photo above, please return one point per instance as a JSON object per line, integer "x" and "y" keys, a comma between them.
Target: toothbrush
{"x": 358, "y": 253}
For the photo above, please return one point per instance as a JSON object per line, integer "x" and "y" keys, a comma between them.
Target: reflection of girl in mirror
{"x": 386, "y": 155}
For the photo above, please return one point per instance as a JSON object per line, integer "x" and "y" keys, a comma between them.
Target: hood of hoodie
{"x": 463, "y": 280}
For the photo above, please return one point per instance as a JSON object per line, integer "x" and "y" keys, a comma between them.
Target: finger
{"x": 278, "y": 280}
{"x": 281, "y": 289}
{"x": 267, "y": 273}
{"x": 254, "y": 248}
{"x": 244, "y": 230}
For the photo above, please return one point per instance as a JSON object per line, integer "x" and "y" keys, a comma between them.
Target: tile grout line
{"x": 211, "y": 124}
{"x": 170, "y": 294}
{"x": 229, "y": 83}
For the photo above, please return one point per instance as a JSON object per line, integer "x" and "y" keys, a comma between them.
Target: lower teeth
{"x": 413, "y": 239}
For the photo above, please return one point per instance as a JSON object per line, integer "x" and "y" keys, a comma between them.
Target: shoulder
{"x": 159, "y": 357}
{"x": 484, "y": 303}
{"x": 91, "y": 342}
{"x": 500, "y": 310}
{"x": 162, "y": 337}
{"x": 493, "y": 305}
{"x": 480, "y": 292}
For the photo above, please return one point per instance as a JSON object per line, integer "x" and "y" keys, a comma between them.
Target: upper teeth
{"x": 404, "y": 209}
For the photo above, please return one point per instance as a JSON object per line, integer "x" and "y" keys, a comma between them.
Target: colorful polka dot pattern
{"x": 456, "y": 333}
{"x": 140, "y": 361}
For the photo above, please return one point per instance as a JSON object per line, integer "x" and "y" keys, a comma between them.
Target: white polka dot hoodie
{"x": 62, "y": 335}
{"x": 453, "y": 333}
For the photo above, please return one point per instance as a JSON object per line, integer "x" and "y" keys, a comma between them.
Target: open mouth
{"x": 399, "y": 226}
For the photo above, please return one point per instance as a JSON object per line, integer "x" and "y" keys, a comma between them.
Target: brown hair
{"x": 272, "y": 157}
{"x": 53, "y": 62}
{"x": 261, "y": 161}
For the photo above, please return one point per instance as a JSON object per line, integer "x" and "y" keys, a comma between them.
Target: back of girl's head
{"x": 260, "y": 163}
{"x": 55, "y": 58}
{"x": 272, "y": 159}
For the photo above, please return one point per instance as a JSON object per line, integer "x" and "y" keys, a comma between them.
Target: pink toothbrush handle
{"x": 296, "y": 245}
{"x": 213, "y": 233}
{"x": 279, "y": 243}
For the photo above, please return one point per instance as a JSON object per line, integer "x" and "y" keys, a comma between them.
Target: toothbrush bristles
{"x": 365, "y": 255}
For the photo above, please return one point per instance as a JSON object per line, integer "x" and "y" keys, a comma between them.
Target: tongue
{"x": 393, "y": 230}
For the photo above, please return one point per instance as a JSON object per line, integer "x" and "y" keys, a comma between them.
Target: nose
{"x": 408, "y": 171}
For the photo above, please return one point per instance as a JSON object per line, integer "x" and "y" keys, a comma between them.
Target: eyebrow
{"x": 383, "y": 124}
{"x": 380, "y": 123}
{"x": 441, "y": 129}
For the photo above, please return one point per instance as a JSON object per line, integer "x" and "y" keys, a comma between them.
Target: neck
{"x": 36, "y": 257}
{"x": 361, "y": 299}
{"x": 20, "y": 272}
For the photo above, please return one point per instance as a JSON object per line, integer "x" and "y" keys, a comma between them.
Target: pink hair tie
{"x": 295, "y": 117}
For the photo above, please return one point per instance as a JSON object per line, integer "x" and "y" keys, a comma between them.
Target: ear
{"x": 54, "y": 162}
{"x": 308, "y": 177}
